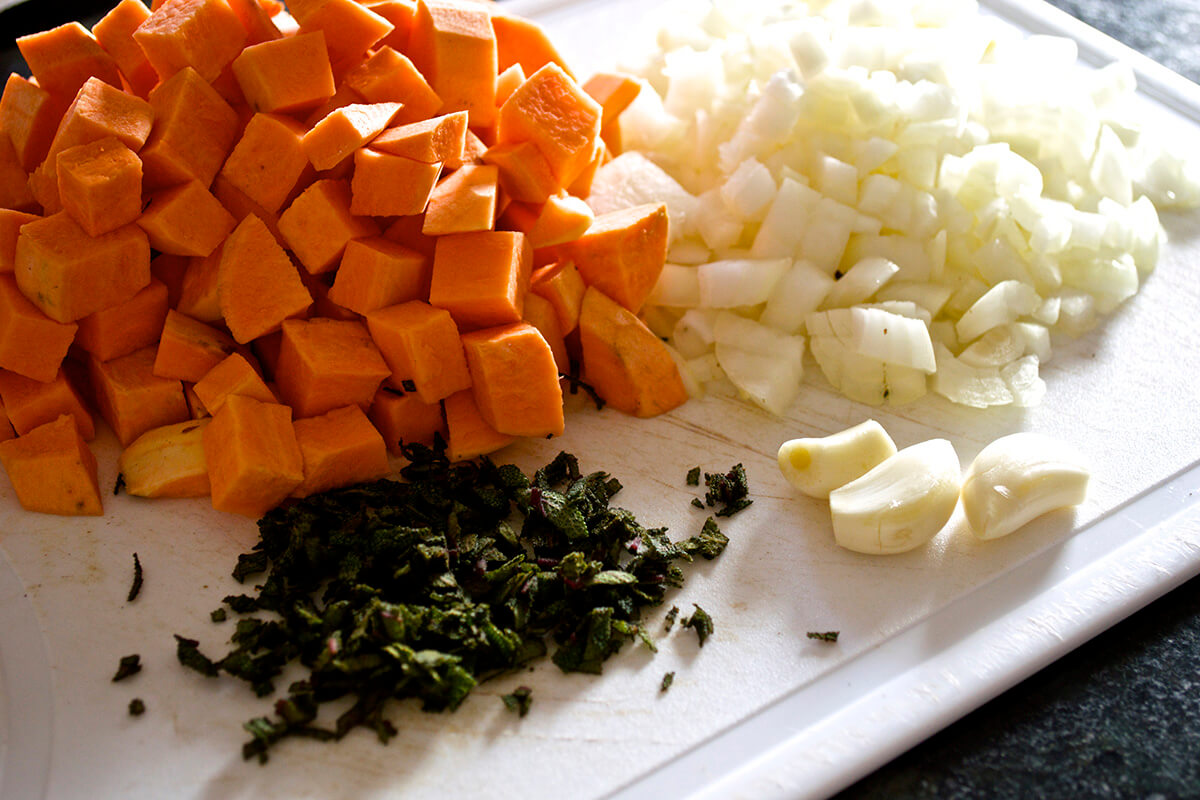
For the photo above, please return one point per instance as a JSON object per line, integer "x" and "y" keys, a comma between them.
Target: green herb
{"x": 672, "y": 615}
{"x": 697, "y": 502}
{"x": 120, "y": 484}
{"x": 249, "y": 564}
{"x": 137, "y": 707}
{"x": 519, "y": 700}
{"x": 701, "y": 622}
{"x": 826, "y": 636}
{"x": 423, "y": 588}
{"x": 693, "y": 476}
{"x": 130, "y": 665}
{"x": 218, "y": 615}
{"x": 667, "y": 680}
{"x": 728, "y": 490}
{"x": 137, "y": 580}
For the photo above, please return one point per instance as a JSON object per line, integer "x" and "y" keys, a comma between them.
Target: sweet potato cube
{"x": 463, "y": 201}
{"x": 541, "y": 315}
{"x": 234, "y": 375}
{"x": 468, "y": 434}
{"x": 400, "y": 13}
{"x": 62, "y": 59}
{"x": 31, "y": 403}
{"x": 350, "y": 28}
{"x": 431, "y": 141}
{"x": 188, "y": 348}
{"x": 614, "y": 91}
{"x": 167, "y": 461}
{"x": 268, "y": 162}
{"x": 407, "y": 231}
{"x": 197, "y": 293}
{"x": 318, "y": 224}
{"x": 514, "y": 380}
{"x": 507, "y": 82}
{"x": 552, "y": 112}
{"x": 31, "y": 343}
{"x": 68, "y": 274}
{"x": 29, "y": 115}
{"x": 119, "y": 330}
{"x": 16, "y": 191}
{"x": 194, "y": 130}
{"x": 481, "y": 278}
{"x": 561, "y": 219}
{"x": 385, "y": 185}
{"x": 115, "y": 31}
{"x": 100, "y": 185}
{"x": 339, "y": 448}
{"x": 524, "y": 43}
{"x": 52, "y": 471}
{"x": 345, "y": 130}
{"x": 254, "y": 461}
{"x": 560, "y": 284}
{"x": 325, "y": 364}
{"x": 524, "y": 173}
{"x": 421, "y": 345}
{"x": 404, "y": 419}
{"x": 258, "y": 287}
{"x": 10, "y": 227}
{"x": 390, "y": 77}
{"x": 131, "y": 398}
{"x": 98, "y": 112}
{"x": 622, "y": 253}
{"x": 241, "y": 206}
{"x": 256, "y": 18}
{"x": 287, "y": 75}
{"x": 186, "y": 220}
{"x": 202, "y": 34}
{"x": 454, "y": 46}
{"x": 378, "y": 272}
{"x": 627, "y": 365}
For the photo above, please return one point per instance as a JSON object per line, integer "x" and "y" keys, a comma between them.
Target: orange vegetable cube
{"x": 10, "y": 226}
{"x": 561, "y": 285}
{"x": 254, "y": 461}
{"x": 614, "y": 92}
{"x": 378, "y": 272}
{"x": 131, "y": 398}
{"x": 481, "y": 278}
{"x": 385, "y": 185}
{"x": 318, "y": 224}
{"x": 507, "y": 82}
{"x": 522, "y": 42}
{"x": 400, "y": 13}
{"x": 100, "y": 185}
{"x": 31, "y": 343}
{"x": 16, "y": 191}
{"x": 463, "y": 201}
{"x": 268, "y": 162}
{"x": 68, "y": 274}
{"x": 325, "y": 363}
{"x": 257, "y": 285}
{"x": 453, "y": 45}
{"x": 390, "y": 77}
{"x": 345, "y": 130}
{"x": 186, "y": 220}
{"x": 541, "y": 315}
{"x": 198, "y": 295}
{"x": 420, "y": 343}
{"x": 562, "y": 218}
{"x": 119, "y": 330}
{"x": 552, "y": 112}
{"x": 524, "y": 174}
{"x": 98, "y": 112}
{"x": 241, "y": 206}
{"x": 468, "y": 434}
{"x": 31, "y": 403}
{"x": 339, "y": 448}
{"x": 167, "y": 461}
{"x": 622, "y": 253}
{"x": 62, "y": 59}
{"x": 194, "y": 129}
{"x": 627, "y": 365}
{"x": 202, "y": 34}
{"x": 350, "y": 28}
{"x": 431, "y": 141}
{"x": 188, "y": 348}
{"x": 286, "y": 75}
{"x": 52, "y": 471}
{"x": 514, "y": 380}
{"x": 407, "y": 231}
{"x": 114, "y": 32}
{"x": 29, "y": 115}
{"x": 234, "y": 375}
{"x": 404, "y": 418}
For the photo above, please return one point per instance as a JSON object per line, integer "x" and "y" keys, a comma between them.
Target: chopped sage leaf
{"x": 130, "y": 665}
{"x": 119, "y": 485}
{"x": 824, "y": 636}
{"x": 249, "y": 564}
{"x": 701, "y": 622}
{"x": 728, "y": 490}
{"x": 697, "y": 502}
{"x": 693, "y": 476}
{"x": 136, "y": 586}
{"x": 218, "y": 615}
{"x": 667, "y": 680}
{"x": 519, "y": 700}
{"x": 137, "y": 707}
{"x": 672, "y": 615}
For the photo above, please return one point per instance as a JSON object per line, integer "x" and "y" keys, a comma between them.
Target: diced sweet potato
{"x": 622, "y": 253}
{"x": 100, "y": 185}
{"x": 194, "y": 129}
{"x": 257, "y": 285}
{"x": 185, "y": 220}
{"x": 167, "y": 461}
{"x": 268, "y": 162}
{"x": 378, "y": 272}
{"x": 552, "y": 112}
{"x": 30, "y": 404}
{"x": 202, "y": 34}
{"x": 431, "y": 141}
{"x": 454, "y": 46}
{"x": 131, "y": 398}
{"x": 188, "y": 349}
{"x": 481, "y": 278}
{"x": 325, "y": 364}
{"x": 52, "y": 470}
{"x": 389, "y": 77}
{"x": 351, "y": 29}
{"x": 339, "y": 448}
{"x": 318, "y": 224}
{"x": 29, "y": 115}
{"x": 514, "y": 380}
{"x": 119, "y": 330}
{"x": 234, "y": 375}
{"x": 115, "y": 31}
{"x": 254, "y": 461}
{"x": 62, "y": 59}
{"x": 287, "y": 75}
{"x": 31, "y": 343}
{"x": 345, "y": 130}
{"x": 404, "y": 419}
{"x": 463, "y": 201}
{"x": 385, "y": 185}
{"x": 468, "y": 434}
{"x": 10, "y": 227}
{"x": 420, "y": 343}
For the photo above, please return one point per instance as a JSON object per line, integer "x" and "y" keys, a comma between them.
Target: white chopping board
{"x": 761, "y": 709}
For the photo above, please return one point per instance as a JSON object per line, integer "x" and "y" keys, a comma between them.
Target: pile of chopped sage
{"x": 422, "y": 588}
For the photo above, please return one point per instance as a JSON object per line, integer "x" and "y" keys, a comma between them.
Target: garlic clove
{"x": 817, "y": 466}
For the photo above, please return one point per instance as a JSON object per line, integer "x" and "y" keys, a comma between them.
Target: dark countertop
{"x": 1119, "y": 716}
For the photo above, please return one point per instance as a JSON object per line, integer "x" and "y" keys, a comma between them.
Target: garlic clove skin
{"x": 1017, "y": 479}
{"x": 817, "y": 466}
{"x": 899, "y": 504}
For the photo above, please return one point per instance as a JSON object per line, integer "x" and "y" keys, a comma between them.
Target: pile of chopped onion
{"x": 913, "y": 192}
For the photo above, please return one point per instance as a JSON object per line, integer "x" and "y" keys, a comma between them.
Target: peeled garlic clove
{"x": 901, "y": 503}
{"x": 1019, "y": 477}
{"x": 818, "y": 466}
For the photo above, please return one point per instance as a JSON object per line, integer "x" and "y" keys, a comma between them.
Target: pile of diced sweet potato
{"x": 268, "y": 245}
